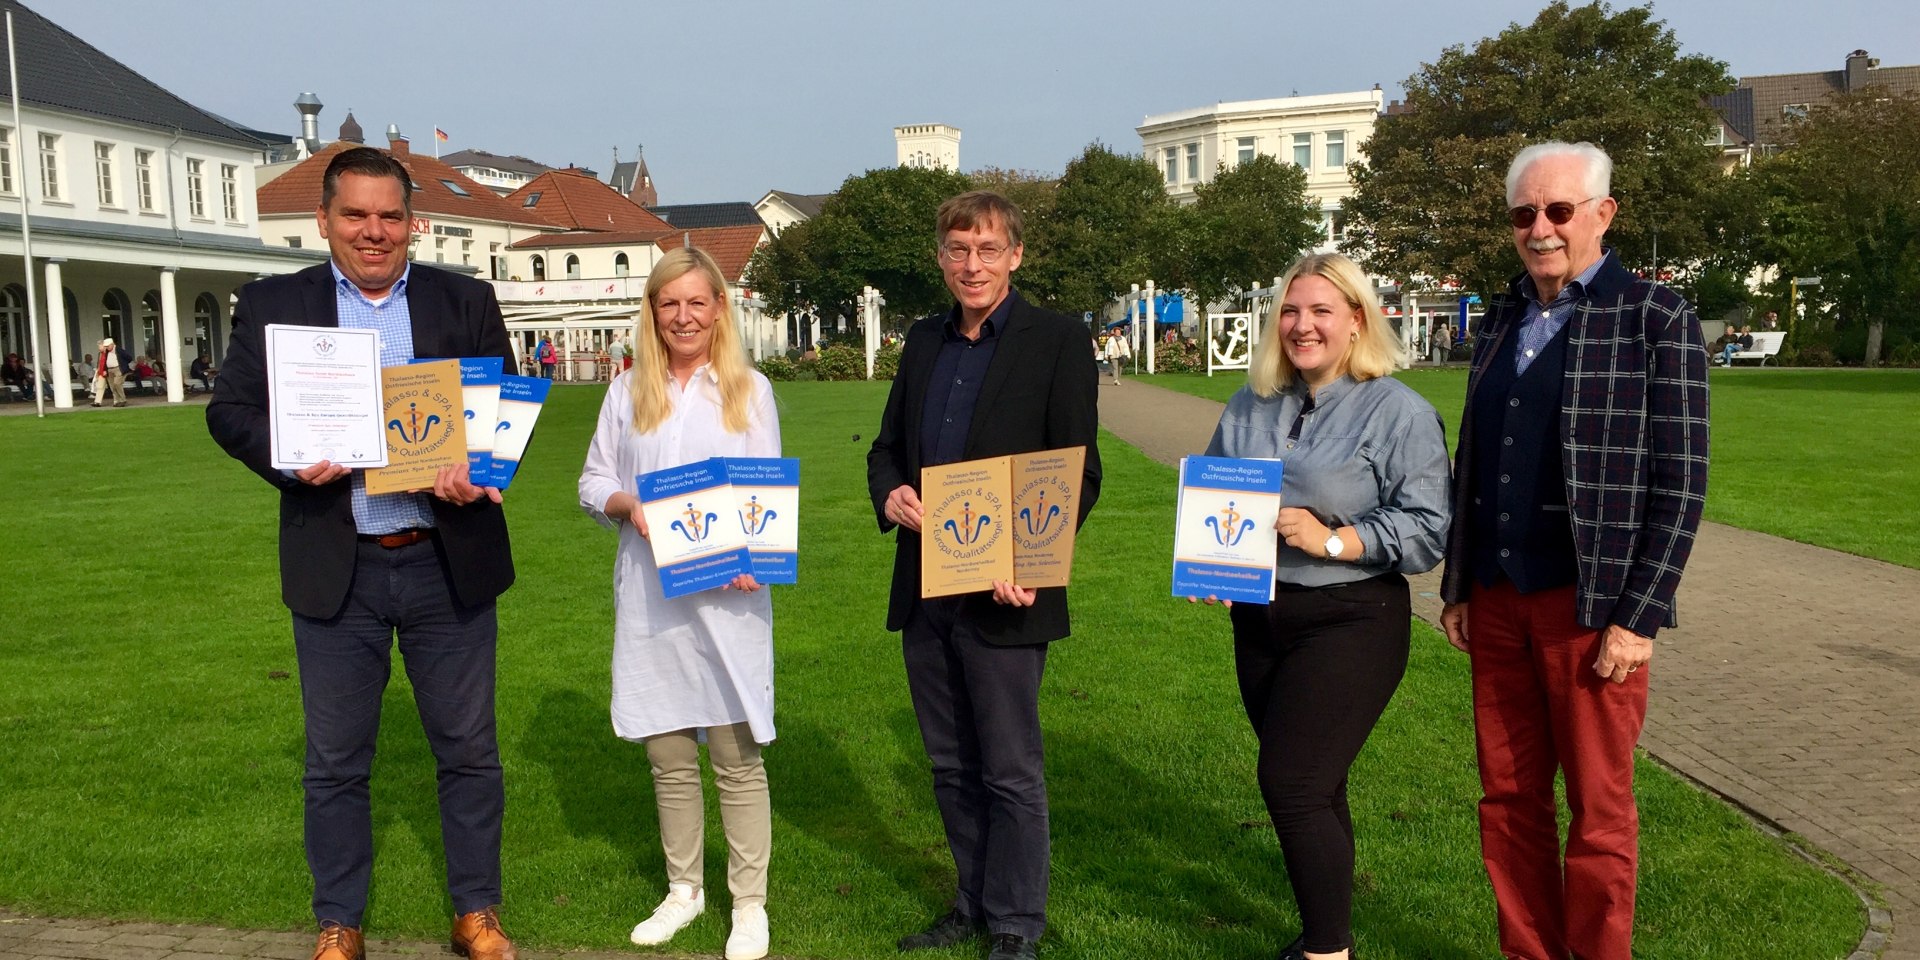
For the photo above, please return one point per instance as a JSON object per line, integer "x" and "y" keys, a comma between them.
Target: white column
{"x": 870, "y": 324}
{"x": 1133, "y": 320}
{"x": 170, "y": 336}
{"x": 1153, "y": 332}
{"x": 58, "y": 359}
{"x": 780, "y": 343}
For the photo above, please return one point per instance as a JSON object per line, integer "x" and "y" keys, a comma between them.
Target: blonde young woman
{"x": 1364, "y": 502}
{"x": 698, "y": 667}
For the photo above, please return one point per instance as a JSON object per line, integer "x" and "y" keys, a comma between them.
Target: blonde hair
{"x": 727, "y": 356}
{"x": 1375, "y": 351}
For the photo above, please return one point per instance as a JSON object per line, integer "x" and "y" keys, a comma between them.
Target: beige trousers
{"x": 745, "y": 811}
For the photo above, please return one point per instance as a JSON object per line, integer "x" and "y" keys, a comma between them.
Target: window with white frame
{"x": 230, "y": 191}
{"x": 1173, "y": 165}
{"x": 143, "y": 179}
{"x": 103, "y": 172}
{"x": 620, "y": 265}
{"x": 1336, "y": 149}
{"x": 1193, "y": 162}
{"x": 196, "y": 188}
{"x": 6, "y": 159}
{"x": 1303, "y": 150}
{"x": 1337, "y": 226}
{"x": 50, "y": 166}
{"x": 573, "y": 267}
{"x": 1246, "y": 150}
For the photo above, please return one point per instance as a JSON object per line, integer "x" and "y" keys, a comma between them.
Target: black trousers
{"x": 344, "y": 666}
{"x": 979, "y": 712}
{"x": 1316, "y": 670}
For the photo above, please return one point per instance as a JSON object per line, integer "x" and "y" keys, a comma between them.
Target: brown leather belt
{"x": 394, "y": 541}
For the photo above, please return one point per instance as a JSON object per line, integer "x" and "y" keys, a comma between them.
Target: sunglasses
{"x": 1558, "y": 212}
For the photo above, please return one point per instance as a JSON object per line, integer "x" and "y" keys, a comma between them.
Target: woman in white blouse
{"x": 699, "y": 666}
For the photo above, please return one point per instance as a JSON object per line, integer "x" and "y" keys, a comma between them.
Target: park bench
{"x": 1765, "y": 345}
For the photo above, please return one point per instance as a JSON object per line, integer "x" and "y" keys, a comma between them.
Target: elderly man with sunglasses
{"x": 1579, "y": 480}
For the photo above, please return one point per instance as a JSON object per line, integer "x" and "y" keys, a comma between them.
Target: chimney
{"x": 1858, "y": 64}
{"x": 350, "y": 129}
{"x": 309, "y": 107}
{"x": 396, "y": 143}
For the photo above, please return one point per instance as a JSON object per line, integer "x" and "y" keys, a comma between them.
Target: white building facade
{"x": 1320, "y": 134}
{"x": 927, "y": 145}
{"x": 141, "y": 230}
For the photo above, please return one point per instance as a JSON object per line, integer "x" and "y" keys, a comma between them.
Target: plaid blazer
{"x": 1634, "y": 422}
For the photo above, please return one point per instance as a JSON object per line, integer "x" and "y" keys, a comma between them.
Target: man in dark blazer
{"x": 355, "y": 569}
{"x": 991, "y": 377}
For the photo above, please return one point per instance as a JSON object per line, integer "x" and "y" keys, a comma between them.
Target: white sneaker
{"x": 676, "y": 911}
{"x": 748, "y": 941}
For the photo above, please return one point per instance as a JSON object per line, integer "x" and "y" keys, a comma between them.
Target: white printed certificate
{"x": 323, "y": 397}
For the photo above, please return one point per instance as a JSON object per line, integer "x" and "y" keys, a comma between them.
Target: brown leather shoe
{"x": 340, "y": 943}
{"x": 478, "y": 936}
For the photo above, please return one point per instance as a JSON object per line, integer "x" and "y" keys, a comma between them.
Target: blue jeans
{"x": 344, "y": 665}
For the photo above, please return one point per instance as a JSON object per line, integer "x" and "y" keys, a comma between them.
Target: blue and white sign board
{"x": 697, "y": 544}
{"x": 766, "y": 502}
{"x": 480, "y": 385}
{"x": 1224, "y": 543}
{"x": 520, "y": 401}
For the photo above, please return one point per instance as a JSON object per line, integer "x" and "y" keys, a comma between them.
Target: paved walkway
{"x": 32, "y": 938}
{"x": 1792, "y": 688}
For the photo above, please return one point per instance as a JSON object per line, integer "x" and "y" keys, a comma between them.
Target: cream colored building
{"x": 1320, "y": 134}
{"x": 927, "y": 145}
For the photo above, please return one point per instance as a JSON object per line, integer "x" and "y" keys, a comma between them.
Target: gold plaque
{"x": 425, "y": 425}
{"x": 1046, "y": 513}
{"x": 966, "y": 539}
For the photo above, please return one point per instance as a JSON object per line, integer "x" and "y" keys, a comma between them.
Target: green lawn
{"x": 150, "y": 737}
{"x": 1828, "y": 457}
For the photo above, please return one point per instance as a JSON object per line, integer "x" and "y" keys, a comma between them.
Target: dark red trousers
{"x": 1538, "y": 707}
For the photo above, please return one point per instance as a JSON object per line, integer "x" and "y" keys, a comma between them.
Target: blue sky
{"x": 735, "y": 97}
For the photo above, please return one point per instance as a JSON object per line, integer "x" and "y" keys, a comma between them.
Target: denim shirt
{"x": 1370, "y": 454}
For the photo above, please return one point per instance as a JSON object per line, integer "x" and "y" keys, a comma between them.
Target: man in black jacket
{"x": 355, "y": 568}
{"x": 993, "y": 376}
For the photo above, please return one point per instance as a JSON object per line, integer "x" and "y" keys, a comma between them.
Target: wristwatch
{"x": 1335, "y": 544}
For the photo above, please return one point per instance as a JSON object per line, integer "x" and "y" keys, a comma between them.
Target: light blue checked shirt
{"x": 1539, "y": 324}
{"x": 387, "y": 512}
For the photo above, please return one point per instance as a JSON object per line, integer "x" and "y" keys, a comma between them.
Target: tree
{"x": 876, "y": 230}
{"x": 1847, "y": 206}
{"x": 1429, "y": 193}
{"x": 1034, "y": 193}
{"x": 778, "y": 265}
{"x": 1249, "y": 224}
{"x": 1109, "y": 211}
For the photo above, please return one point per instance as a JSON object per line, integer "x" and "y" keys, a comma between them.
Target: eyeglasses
{"x": 1558, "y": 212}
{"x": 958, "y": 252}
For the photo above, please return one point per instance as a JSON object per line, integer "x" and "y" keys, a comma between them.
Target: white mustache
{"x": 1547, "y": 245}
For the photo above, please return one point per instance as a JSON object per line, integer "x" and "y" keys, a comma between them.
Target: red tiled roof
{"x": 577, "y": 200}
{"x": 589, "y": 238}
{"x": 730, "y": 247}
{"x": 298, "y": 190}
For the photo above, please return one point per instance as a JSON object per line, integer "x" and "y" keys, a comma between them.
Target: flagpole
{"x": 42, "y": 374}
{"x": 436, "y": 141}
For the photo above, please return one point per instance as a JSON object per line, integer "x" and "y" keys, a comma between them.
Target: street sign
{"x": 1806, "y": 281}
